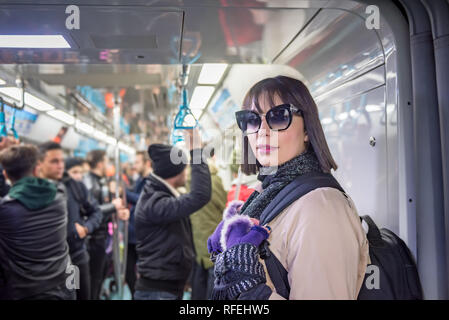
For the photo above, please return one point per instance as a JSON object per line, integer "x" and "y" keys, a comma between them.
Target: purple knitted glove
{"x": 233, "y": 209}
{"x": 213, "y": 243}
{"x": 242, "y": 229}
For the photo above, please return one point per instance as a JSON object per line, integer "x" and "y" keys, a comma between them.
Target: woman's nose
{"x": 264, "y": 126}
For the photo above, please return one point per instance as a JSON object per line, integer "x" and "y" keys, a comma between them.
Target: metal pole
{"x": 115, "y": 220}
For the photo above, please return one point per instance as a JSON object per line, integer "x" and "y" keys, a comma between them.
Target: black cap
{"x": 72, "y": 162}
{"x": 167, "y": 161}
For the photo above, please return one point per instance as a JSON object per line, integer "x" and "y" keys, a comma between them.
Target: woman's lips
{"x": 265, "y": 149}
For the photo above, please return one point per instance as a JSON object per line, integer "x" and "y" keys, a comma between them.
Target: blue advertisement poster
{"x": 94, "y": 96}
{"x": 24, "y": 120}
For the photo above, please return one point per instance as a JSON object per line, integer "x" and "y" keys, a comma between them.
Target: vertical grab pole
{"x": 125, "y": 225}
{"x": 115, "y": 220}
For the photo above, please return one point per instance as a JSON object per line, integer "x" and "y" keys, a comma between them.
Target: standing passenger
{"x": 142, "y": 166}
{"x": 319, "y": 238}
{"x": 95, "y": 181}
{"x": 34, "y": 255}
{"x": 164, "y": 235}
{"x": 51, "y": 167}
{"x": 84, "y": 218}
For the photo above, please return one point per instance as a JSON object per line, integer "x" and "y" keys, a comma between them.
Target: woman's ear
{"x": 306, "y": 137}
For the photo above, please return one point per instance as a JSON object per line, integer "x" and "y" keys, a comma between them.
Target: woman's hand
{"x": 238, "y": 271}
{"x": 242, "y": 229}
{"x": 239, "y": 234}
{"x": 234, "y": 251}
{"x": 213, "y": 243}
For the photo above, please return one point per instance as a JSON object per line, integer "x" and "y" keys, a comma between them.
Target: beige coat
{"x": 320, "y": 241}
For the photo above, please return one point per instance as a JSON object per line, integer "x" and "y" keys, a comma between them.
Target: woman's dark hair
{"x": 19, "y": 161}
{"x": 94, "y": 157}
{"x": 291, "y": 91}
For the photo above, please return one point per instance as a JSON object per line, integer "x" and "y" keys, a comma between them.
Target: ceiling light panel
{"x": 211, "y": 73}
{"x": 33, "y": 41}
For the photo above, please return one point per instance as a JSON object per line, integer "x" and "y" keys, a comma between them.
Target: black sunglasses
{"x": 278, "y": 118}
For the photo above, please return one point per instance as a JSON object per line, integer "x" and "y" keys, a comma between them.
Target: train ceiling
{"x": 140, "y": 45}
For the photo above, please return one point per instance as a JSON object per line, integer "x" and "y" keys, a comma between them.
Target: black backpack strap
{"x": 276, "y": 271}
{"x": 374, "y": 236}
{"x": 292, "y": 192}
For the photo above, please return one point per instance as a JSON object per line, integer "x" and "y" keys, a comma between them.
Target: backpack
{"x": 392, "y": 274}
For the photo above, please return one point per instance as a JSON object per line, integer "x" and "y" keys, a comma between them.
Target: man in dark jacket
{"x": 84, "y": 218}
{"x": 34, "y": 255}
{"x": 142, "y": 165}
{"x": 95, "y": 182}
{"x": 164, "y": 234}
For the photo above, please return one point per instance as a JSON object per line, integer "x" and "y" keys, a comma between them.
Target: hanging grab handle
{"x": 3, "y": 130}
{"x": 183, "y": 112}
{"x": 13, "y": 123}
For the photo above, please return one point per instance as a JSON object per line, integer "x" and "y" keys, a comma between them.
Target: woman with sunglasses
{"x": 318, "y": 239}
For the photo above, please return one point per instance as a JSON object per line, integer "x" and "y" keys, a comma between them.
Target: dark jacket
{"x": 205, "y": 220}
{"x": 34, "y": 253}
{"x": 132, "y": 196}
{"x": 84, "y": 210}
{"x": 97, "y": 188}
{"x": 4, "y": 187}
{"x": 164, "y": 235}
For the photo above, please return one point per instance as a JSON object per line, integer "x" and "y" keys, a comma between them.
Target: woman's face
{"x": 273, "y": 148}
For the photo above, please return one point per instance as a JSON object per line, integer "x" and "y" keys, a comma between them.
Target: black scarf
{"x": 274, "y": 179}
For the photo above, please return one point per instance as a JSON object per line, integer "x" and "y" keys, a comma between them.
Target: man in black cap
{"x": 164, "y": 235}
